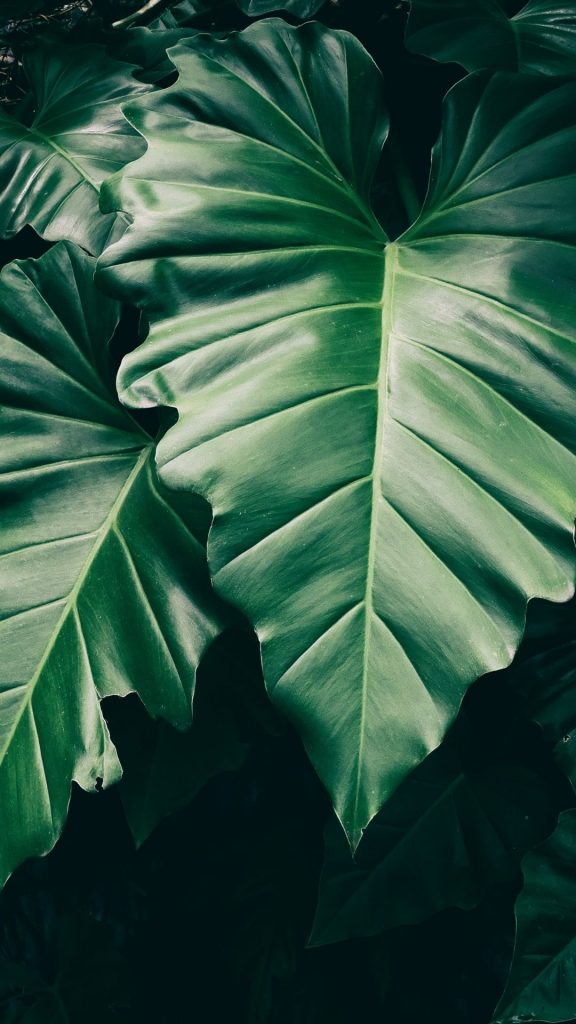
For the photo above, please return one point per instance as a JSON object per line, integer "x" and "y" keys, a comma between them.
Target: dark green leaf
{"x": 385, "y": 432}
{"x": 445, "y": 839}
{"x": 544, "y": 675}
{"x": 542, "y": 982}
{"x": 69, "y": 136}
{"x": 164, "y": 769}
{"x": 540, "y": 39}
{"x": 298, "y": 8}
{"x": 103, "y": 586}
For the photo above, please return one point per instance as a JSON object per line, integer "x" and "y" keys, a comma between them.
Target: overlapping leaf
{"x": 542, "y": 982}
{"x": 103, "y": 587}
{"x": 299, "y": 8}
{"x": 445, "y": 839}
{"x": 68, "y": 135}
{"x": 385, "y": 432}
{"x": 539, "y": 39}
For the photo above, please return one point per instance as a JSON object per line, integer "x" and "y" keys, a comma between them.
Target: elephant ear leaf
{"x": 539, "y": 39}
{"x": 68, "y": 135}
{"x": 542, "y": 981}
{"x": 102, "y": 584}
{"x": 385, "y": 431}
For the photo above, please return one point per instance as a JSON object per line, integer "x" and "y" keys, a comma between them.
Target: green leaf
{"x": 546, "y": 682}
{"x": 182, "y": 14}
{"x": 540, "y": 39}
{"x": 146, "y": 48}
{"x": 445, "y": 839}
{"x": 384, "y": 432}
{"x": 164, "y": 769}
{"x": 67, "y": 137}
{"x": 542, "y": 982}
{"x": 298, "y": 8}
{"x": 103, "y": 585}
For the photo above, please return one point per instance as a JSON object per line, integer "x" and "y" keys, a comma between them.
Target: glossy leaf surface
{"x": 385, "y": 432}
{"x": 542, "y": 982}
{"x": 539, "y": 39}
{"x": 103, "y": 587}
{"x": 67, "y": 137}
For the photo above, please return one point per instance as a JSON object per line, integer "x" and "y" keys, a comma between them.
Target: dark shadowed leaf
{"x": 445, "y": 839}
{"x": 539, "y": 39}
{"x": 542, "y": 982}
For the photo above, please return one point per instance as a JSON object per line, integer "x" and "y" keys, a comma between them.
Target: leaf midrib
{"x": 66, "y": 156}
{"x": 71, "y": 601}
{"x": 390, "y": 258}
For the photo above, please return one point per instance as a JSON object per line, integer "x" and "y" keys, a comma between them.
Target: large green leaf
{"x": 445, "y": 839}
{"x": 384, "y": 431}
{"x": 539, "y": 39}
{"x": 103, "y": 587}
{"x": 67, "y": 137}
{"x": 542, "y": 982}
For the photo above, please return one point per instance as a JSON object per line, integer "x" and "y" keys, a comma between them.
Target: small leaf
{"x": 539, "y": 39}
{"x": 542, "y": 982}
{"x": 163, "y": 768}
{"x": 546, "y": 681}
{"x": 298, "y": 8}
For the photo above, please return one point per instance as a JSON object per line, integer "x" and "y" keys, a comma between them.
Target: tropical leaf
{"x": 539, "y": 39}
{"x": 545, "y": 678}
{"x": 146, "y": 47}
{"x": 67, "y": 136}
{"x": 163, "y": 769}
{"x": 182, "y": 14}
{"x": 542, "y": 982}
{"x": 103, "y": 586}
{"x": 445, "y": 839}
{"x": 298, "y": 8}
{"x": 385, "y": 432}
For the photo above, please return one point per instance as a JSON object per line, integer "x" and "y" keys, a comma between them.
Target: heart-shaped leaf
{"x": 385, "y": 431}
{"x": 103, "y": 588}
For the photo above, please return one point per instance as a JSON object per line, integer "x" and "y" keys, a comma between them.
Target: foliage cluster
{"x": 288, "y": 442}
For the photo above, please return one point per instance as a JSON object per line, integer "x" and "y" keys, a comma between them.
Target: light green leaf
{"x": 103, "y": 588}
{"x": 384, "y": 431}
{"x": 539, "y": 39}
{"x": 542, "y": 982}
{"x": 68, "y": 136}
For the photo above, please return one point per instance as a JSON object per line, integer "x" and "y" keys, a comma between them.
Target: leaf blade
{"x": 291, "y": 370}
